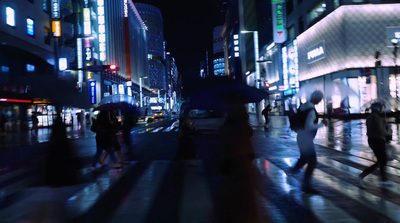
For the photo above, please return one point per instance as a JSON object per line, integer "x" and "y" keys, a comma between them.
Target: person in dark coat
{"x": 186, "y": 146}
{"x": 376, "y": 132}
{"x": 62, "y": 164}
{"x": 265, "y": 113}
{"x": 238, "y": 156}
{"x": 106, "y": 128}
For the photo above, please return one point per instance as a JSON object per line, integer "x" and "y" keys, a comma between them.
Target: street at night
{"x": 211, "y": 111}
{"x": 155, "y": 188}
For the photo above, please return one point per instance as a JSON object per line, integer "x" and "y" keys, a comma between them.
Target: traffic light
{"x": 266, "y": 85}
{"x": 111, "y": 67}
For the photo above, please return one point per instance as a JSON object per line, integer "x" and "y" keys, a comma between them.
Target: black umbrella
{"x": 117, "y": 102}
{"x": 216, "y": 93}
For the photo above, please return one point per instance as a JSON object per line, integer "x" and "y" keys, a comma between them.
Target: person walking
{"x": 106, "y": 127}
{"x": 35, "y": 122}
{"x": 186, "y": 145}
{"x": 376, "y": 132}
{"x": 238, "y": 156}
{"x": 265, "y": 113}
{"x": 305, "y": 140}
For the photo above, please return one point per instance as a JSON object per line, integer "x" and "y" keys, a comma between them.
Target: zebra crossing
{"x": 180, "y": 191}
{"x": 337, "y": 184}
{"x": 156, "y": 130}
{"x": 340, "y": 199}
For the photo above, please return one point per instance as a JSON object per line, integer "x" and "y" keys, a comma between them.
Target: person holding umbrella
{"x": 106, "y": 127}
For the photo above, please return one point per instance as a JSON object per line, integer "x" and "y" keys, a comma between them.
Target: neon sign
{"x": 102, "y": 29}
{"x": 278, "y": 20}
{"x": 316, "y": 52}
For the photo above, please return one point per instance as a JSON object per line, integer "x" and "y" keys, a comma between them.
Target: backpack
{"x": 297, "y": 119}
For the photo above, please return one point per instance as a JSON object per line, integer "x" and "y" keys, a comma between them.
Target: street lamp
{"x": 257, "y": 69}
{"x": 141, "y": 92}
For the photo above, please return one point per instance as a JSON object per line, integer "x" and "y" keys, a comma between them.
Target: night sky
{"x": 188, "y": 29}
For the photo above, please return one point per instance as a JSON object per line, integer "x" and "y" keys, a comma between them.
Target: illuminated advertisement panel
{"x": 348, "y": 38}
{"x": 92, "y": 91}
{"x": 55, "y": 9}
{"x": 279, "y": 21}
{"x": 56, "y": 28}
{"x": 87, "y": 27}
{"x": 102, "y": 29}
{"x": 30, "y": 27}
{"x": 290, "y": 68}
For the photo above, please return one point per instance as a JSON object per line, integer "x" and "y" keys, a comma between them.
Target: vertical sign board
{"x": 92, "y": 85}
{"x": 55, "y": 9}
{"x": 102, "y": 29}
{"x": 279, "y": 21}
{"x": 87, "y": 27}
{"x": 127, "y": 43}
{"x": 56, "y": 28}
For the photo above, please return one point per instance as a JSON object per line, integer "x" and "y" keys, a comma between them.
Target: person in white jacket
{"x": 305, "y": 140}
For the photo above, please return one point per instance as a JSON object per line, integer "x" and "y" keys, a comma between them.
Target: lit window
{"x": 30, "y": 27}
{"x": 236, "y": 54}
{"x": 10, "y": 16}
{"x": 30, "y": 67}
{"x": 5, "y": 69}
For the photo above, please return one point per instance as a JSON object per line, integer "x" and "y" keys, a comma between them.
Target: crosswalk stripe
{"x": 137, "y": 203}
{"x": 157, "y": 129}
{"x": 195, "y": 187}
{"x": 373, "y": 179}
{"x": 169, "y": 129}
{"x": 324, "y": 209}
{"x": 377, "y": 203}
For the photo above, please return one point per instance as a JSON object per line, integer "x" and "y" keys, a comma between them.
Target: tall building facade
{"x": 153, "y": 20}
{"x": 33, "y": 55}
{"x": 346, "y": 42}
{"x": 218, "y": 52}
{"x": 55, "y": 54}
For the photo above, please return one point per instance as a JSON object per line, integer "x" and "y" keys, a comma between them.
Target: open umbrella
{"x": 330, "y": 89}
{"x": 215, "y": 93}
{"x": 389, "y": 104}
{"x": 116, "y": 102}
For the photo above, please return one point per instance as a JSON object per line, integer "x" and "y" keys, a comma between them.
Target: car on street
{"x": 146, "y": 115}
{"x": 207, "y": 120}
{"x": 159, "y": 113}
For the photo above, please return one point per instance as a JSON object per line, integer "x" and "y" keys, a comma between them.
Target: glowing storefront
{"x": 342, "y": 48}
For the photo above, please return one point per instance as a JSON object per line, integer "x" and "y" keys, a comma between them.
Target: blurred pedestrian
{"x": 238, "y": 156}
{"x": 186, "y": 146}
{"x": 81, "y": 123}
{"x": 376, "y": 132}
{"x": 62, "y": 164}
{"x": 106, "y": 128}
{"x": 35, "y": 123}
{"x": 3, "y": 122}
{"x": 265, "y": 113}
{"x": 305, "y": 140}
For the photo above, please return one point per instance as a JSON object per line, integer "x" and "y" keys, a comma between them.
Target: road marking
{"x": 325, "y": 210}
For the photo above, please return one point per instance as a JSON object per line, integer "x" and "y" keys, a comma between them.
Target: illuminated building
{"x": 338, "y": 41}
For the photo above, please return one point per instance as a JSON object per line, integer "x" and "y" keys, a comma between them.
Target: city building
{"x": 218, "y": 52}
{"x": 153, "y": 20}
{"x": 173, "y": 96}
{"x": 33, "y": 55}
{"x": 345, "y": 42}
{"x": 121, "y": 41}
